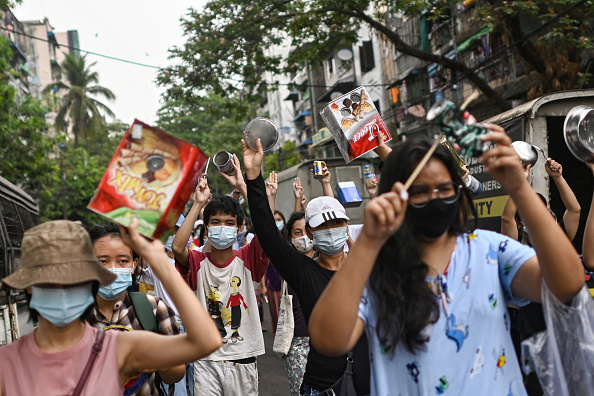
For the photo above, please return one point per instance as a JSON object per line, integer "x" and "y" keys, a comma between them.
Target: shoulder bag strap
{"x": 95, "y": 350}
{"x": 143, "y": 310}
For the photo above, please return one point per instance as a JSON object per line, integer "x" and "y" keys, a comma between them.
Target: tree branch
{"x": 403, "y": 47}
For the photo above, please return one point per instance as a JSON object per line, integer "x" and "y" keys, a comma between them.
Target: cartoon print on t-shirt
{"x": 442, "y": 386}
{"x": 492, "y": 301}
{"x": 479, "y": 362}
{"x": 466, "y": 278}
{"x": 501, "y": 360}
{"x": 235, "y": 301}
{"x": 215, "y": 306}
{"x": 492, "y": 257}
{"x": 413, "y": 370}
{"x": 456, "y": 333}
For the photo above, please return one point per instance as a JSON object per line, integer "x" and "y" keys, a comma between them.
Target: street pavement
{"x": 271, "y": 369}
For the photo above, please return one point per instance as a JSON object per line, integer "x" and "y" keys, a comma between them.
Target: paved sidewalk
{"x": 271, "y": 368}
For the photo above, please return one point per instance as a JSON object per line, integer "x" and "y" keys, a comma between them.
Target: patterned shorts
{"x": 295, "y": 362}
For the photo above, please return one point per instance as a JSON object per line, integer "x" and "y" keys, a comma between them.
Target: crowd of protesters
{"x": 414, "y": 301}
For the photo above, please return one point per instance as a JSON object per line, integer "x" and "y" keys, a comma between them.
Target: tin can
{"x": 318, "y": 170}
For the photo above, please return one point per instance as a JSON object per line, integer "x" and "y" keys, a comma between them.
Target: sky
{"x": 136, "y": 30}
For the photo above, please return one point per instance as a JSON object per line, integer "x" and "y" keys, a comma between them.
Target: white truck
{"x": 18, "y": 213}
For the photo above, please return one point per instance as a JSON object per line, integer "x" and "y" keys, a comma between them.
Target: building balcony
{"x": 441, "y": 35}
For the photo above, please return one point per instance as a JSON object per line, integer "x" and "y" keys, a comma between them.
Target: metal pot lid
{"x": 527, "y": 153}
{"x": 263, "y": 129}
{"x": 578, "y": 131}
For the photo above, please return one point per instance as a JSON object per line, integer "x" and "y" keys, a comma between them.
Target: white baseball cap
{"x": 322, "y": 209}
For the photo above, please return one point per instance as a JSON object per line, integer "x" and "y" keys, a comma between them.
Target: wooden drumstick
{"x": 421, "y": 164}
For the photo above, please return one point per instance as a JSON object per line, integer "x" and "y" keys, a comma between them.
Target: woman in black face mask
{"x": 429, "y": 290}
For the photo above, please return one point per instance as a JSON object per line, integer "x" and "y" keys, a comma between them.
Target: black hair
{"x": 238, "y": 280}
{"x": 295, "y": 216}
{"x": 283, "y": 232}
{"x": 224, "y": 204}
{"x": 404, "y": 303}
{"x": 248, "y": 224}
{"x": 86, "y": 316}
{"x": 113, "y": 230}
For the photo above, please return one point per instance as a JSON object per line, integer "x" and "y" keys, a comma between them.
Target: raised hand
{"x": 502, "y": 161}
{"x": 553, "y": 168}
{"x": 385, "y": 214}
{"x": 140, "y": 244}
{"x": 327, "y": 175}
{"x": 201, "y": 194}
{"x": 252, "y": 160}
{"x": 373, "y": 189}
{"x": 298, "y": 189}
{"x": 272, "y": 184}
{"x": 382, "y": 149}
{"x": 236, "y": 180}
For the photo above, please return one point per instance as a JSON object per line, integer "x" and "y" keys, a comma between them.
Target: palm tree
{"x": 77, "y": 105}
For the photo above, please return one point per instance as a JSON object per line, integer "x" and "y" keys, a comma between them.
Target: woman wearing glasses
{"x": 431, "y": 291}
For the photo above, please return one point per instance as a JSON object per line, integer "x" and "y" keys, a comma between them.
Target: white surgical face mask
{"x": 331, "y": 240}
{"x": 221, "y": 237}
{"x": 302, "y": 243}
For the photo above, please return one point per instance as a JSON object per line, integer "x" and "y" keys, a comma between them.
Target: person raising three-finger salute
{"x": 430, "y": 290}
{"x": 326, "y": 226}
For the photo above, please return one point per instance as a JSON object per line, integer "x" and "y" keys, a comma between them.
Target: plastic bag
{"x": 563, "y": 355}
{"x": 285, "y": 328}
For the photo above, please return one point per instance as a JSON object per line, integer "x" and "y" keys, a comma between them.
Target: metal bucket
{"x": 263, "y": 129}
{"x": 578, "y": 132}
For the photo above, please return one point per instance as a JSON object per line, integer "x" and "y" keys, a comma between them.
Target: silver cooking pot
{"x": 578, "y": 132}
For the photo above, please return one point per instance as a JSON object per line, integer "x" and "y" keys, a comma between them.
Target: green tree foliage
{"x": 24, "y": 157}
{"x": 213, "y": 123}
{"x": 78, "y": 104}
{"x": 227, "y": 39}
{"x": 77, "y": 175}
{"x": 282, "y": 159}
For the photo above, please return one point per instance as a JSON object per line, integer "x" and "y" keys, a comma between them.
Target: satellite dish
{"x": 344, "y": 54}
{"x": 335, "y": 95}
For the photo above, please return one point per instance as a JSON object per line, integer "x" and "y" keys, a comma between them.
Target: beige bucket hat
{"x": 57, "y": 252}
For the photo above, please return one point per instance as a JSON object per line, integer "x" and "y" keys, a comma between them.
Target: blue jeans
{"x": 180, "y": 387}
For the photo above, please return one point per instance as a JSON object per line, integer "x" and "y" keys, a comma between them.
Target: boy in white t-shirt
{"x": 224, "y": 281}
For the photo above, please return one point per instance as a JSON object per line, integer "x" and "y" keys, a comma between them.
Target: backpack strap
{"x": 95, "y": 350}
{"x": 144, "y": 311}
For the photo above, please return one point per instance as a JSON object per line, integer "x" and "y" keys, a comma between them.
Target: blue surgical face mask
{"x": 62, "y": 306}
{"x": 118, "y": 287}
{"x": 280, "y": 225}
{"x": 331, "y": 240}
{"x": 222, "y": 237}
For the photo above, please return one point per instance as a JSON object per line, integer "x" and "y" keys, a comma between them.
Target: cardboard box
{"x": 151, "y": 177}
{"x": 354, "y": 123}
{"x": 348, "y": 194}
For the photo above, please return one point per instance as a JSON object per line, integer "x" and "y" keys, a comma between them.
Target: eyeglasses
{"x": 420, "y": 195}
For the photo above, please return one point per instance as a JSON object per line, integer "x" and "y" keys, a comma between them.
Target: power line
{"x": 85, "y": 51}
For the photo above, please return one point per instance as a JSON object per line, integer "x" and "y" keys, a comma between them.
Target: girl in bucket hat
{"x": 62, "y": 276}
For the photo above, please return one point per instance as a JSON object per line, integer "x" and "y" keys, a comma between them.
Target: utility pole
{"x": 63, "y": 182}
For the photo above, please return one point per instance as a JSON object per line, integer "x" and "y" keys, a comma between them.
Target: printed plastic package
{"x": 563, "y": 355}
{"x": 150, "y": 177}
{"x": 354, "y": 123}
